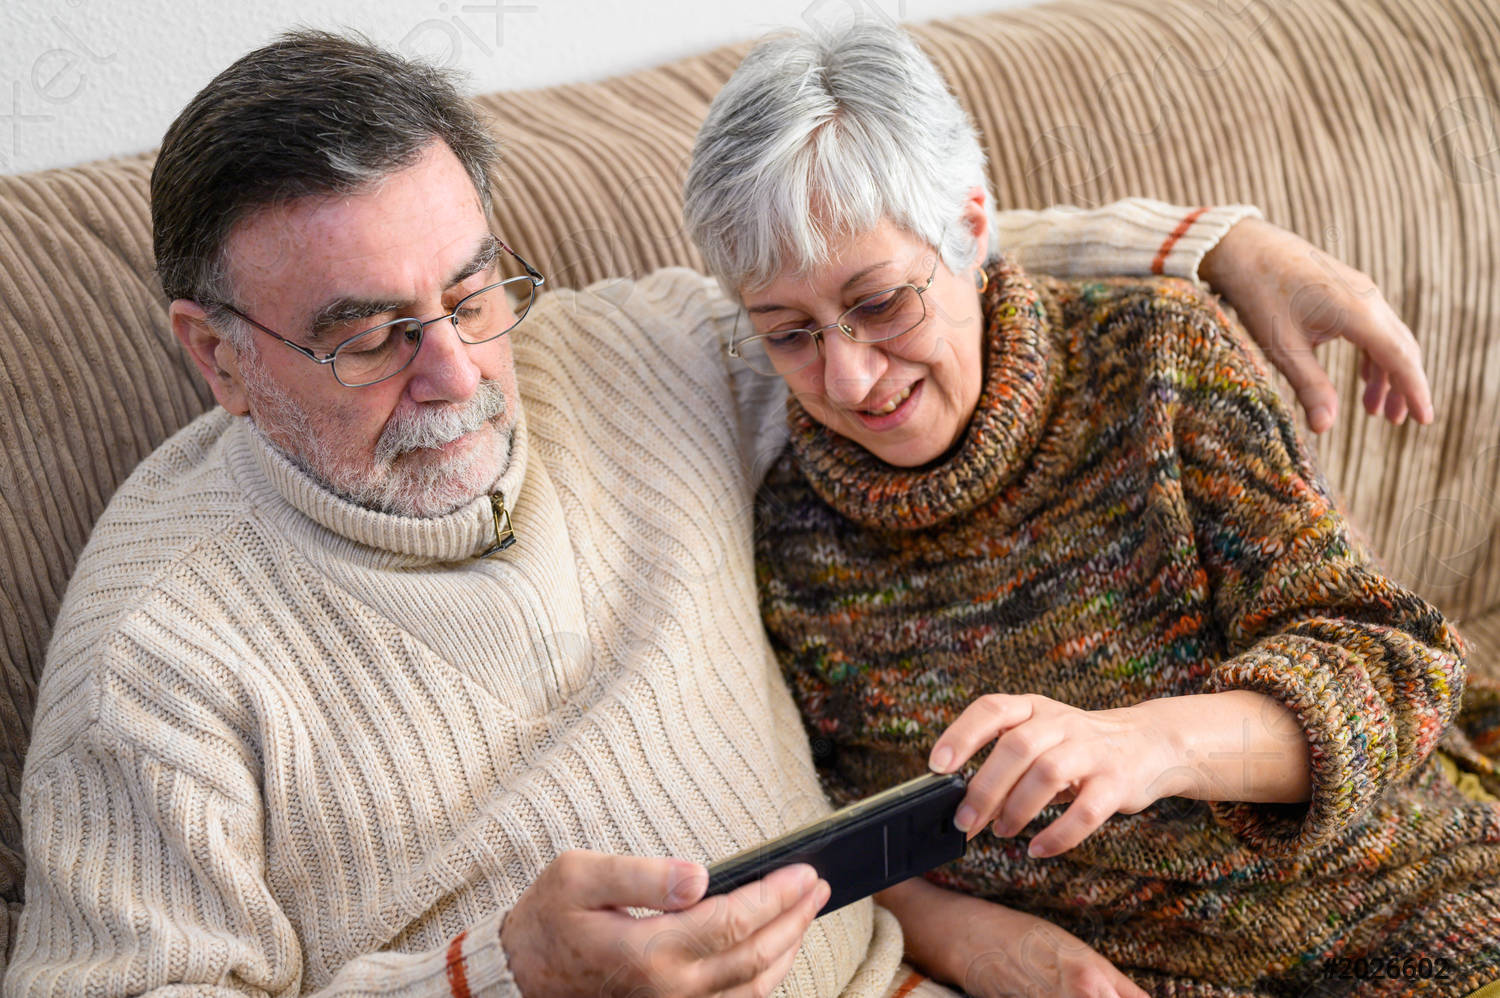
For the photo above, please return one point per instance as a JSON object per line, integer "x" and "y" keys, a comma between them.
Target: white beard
{"x": 386, "y": 485}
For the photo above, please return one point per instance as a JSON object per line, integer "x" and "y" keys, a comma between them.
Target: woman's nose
{"x": 850, "y": 369}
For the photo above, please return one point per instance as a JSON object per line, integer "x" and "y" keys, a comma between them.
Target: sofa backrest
{"x": 1371, "y": 130}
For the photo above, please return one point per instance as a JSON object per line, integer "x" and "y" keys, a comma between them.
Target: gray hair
{"x": 822, "y": 134}
{"x": 312, "y": 113}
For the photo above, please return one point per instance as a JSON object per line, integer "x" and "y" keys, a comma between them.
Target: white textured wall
{"x": 82, "y": 79}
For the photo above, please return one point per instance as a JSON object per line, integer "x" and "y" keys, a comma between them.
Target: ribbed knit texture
{"x": 1131, "y": 515}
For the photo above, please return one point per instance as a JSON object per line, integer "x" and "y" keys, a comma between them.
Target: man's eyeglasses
{"x": 381, "y": 352}
{"x": 875, "y": 318}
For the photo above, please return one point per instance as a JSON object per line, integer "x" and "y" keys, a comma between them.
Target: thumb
{"x": 608, "y": 881}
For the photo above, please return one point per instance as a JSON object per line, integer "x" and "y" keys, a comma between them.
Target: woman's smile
{"x": 897, "y": 410}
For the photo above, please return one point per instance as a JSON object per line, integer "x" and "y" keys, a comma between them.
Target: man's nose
{"x": 850, "y": 369}
{"x": 443, "y": 369}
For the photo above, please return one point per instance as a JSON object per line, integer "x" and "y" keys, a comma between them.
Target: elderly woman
{"x": 1074, "y": 519}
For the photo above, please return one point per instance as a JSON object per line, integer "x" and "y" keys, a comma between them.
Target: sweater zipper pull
{"x": 505, "y": 534}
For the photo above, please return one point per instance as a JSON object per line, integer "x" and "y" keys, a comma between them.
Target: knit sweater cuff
{"x": 1196, "y": 232}
{"x": 472, "y": 963}
{"x": 476, "y": 964}
{"x": 1133, "y": 236}
{"x": 1345, "y": 757}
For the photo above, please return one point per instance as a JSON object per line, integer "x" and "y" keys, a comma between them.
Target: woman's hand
{"x": 1104, "y": 761}
{"x": 1292, "y": 297}
{"x": 989, "y": 950}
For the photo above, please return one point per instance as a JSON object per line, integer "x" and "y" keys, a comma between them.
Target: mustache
{"x": 418, "y": 429}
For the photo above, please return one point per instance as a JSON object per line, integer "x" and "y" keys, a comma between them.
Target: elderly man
{"x": 355, "y": 664}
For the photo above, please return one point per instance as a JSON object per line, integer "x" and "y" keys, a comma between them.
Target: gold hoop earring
{"x": 984, "y": 281}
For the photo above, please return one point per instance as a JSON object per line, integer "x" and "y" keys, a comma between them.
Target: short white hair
{"x": 821, "y": 134}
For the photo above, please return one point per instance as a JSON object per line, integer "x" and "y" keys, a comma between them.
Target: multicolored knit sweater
{"x": 1131, "y": 515}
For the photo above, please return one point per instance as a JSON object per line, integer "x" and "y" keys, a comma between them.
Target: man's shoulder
{"x": 169, "y": 518}
{"x": 674, "y": 309}
{"x": 181, "y": 490}
{"x": 670, "y": 291}
{"x": 633, "y": 339}
{"x": 181, "y": 499}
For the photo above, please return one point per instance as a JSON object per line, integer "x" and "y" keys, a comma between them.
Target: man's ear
{"x": 975, "y": 215}
{"x": 214, "y": 356}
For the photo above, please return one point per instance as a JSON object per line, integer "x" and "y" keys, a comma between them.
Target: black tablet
{"x": 864, "y": 847}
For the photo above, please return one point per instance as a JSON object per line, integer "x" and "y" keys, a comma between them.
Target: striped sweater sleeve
{"x": 1373, "y": 673}
{"x": 1132, "y": 236}
{"x": 146, "y": 872}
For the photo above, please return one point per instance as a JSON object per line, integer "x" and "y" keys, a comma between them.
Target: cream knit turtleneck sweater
{"x": 287, "y": 745}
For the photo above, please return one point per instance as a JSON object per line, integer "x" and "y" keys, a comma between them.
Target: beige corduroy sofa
{"x": 1369, "y": 127}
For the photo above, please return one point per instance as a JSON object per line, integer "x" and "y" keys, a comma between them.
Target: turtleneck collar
{"x": 465, "y": 533}
{"x": 1023, "y": 370}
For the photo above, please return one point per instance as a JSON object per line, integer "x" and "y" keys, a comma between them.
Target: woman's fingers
{"x": 1065, "y": 771}
{"x": 980, "y": 723}
{"x": 1050, "y": 776}
{"x": 1047, "y": 752}
{"x": 1012, "y": 758}
{"x": 1093, "y": 806}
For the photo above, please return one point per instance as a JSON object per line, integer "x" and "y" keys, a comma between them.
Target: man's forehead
{"x": 398, "y": 236}
{"x": 311, "y": 251}
{"x": 341, "y": 308}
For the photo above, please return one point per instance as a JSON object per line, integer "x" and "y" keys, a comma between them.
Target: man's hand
{"x": 1292, "y": 297}
{"x": 568, "y": 934}
{"x": 989, "y": 950}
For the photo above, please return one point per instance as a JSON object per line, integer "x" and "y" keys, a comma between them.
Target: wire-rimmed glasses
{"x": 383, "y": 351}
{"x": 875, "y": 318}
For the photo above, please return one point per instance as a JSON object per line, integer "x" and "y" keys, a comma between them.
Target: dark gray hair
{"x": 824, "y": 133}
{"x": 312, "y": 113}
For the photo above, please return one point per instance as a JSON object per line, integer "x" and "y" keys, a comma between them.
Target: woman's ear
{"x": 975, "y": 215}
{"x": 212, "y": 354}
